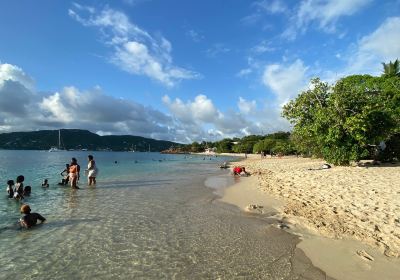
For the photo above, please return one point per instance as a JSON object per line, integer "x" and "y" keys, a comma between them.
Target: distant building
{"x": 210, "y": 150}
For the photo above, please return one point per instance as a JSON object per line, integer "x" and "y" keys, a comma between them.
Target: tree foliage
{"x": 276, "y": 143}
{"x": 342, "y": 122}
{"x": 391, "y": 69}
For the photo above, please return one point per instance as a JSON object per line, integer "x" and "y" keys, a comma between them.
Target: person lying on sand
{"x": 324, "y": 166}
{"x": 240, "y": 171}
{"x": 244, "y": 172}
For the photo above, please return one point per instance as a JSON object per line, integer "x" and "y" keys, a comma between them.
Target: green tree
{"x": 196, "y": 147}
{"x": 308, "y": 114}
{"x": 391, "y": 69}
{"x": 224, "y": 146}
{"x": 342, "y": 122}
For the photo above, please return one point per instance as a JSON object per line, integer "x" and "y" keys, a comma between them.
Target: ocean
{"x": 151, "y": 216}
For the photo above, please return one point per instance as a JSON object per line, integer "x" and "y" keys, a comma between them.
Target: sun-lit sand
{"x": 351, "y": 214}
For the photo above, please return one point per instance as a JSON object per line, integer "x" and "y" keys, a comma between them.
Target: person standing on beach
{"x": 74, "y": 169}
{"x": 91, "y": 171}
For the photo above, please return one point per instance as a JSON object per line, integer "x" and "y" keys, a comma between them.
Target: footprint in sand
{"x": 365, "y": 256}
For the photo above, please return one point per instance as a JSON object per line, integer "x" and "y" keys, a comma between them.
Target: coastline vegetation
{"x": 358, "y": 117}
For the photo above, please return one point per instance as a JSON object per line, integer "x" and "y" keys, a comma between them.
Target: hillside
{"x": 76, "y": 139}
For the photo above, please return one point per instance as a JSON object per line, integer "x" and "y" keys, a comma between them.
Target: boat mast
{"x": 59, "y": 139}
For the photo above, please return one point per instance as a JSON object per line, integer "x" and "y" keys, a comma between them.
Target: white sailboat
{"x": 57, "y": 149}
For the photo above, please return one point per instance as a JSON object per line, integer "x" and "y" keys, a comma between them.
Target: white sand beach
{"x": 348, "y": 217}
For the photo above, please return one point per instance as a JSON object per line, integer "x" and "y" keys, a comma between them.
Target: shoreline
{"x": 303, "y": 202}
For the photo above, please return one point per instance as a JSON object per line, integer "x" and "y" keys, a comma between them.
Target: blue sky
{"x": 180, "y": 70}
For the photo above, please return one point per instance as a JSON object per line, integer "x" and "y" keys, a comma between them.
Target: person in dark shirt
{"x": 27, "y": 191}
{"x": 10, "y": 188}
{"x": 65, "y": 175}
{"x": 30, "y": 219}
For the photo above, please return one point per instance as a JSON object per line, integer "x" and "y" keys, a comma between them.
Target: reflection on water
{"x": 151, "y": 227}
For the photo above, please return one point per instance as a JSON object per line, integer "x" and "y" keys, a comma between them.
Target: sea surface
{"x": 151, "y": 216}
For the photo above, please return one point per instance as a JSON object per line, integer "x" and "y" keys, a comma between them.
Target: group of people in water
{"x": 71, "y": 175}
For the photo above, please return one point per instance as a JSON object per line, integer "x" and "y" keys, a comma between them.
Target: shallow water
{"x": 146, "y": 220}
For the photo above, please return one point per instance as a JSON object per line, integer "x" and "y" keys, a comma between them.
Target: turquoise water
{"x": 149, "y": 217}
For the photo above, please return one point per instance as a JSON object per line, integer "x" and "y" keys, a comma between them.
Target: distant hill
{"x": 77, "y": 139}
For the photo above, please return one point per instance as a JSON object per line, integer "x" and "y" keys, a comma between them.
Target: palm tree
{"x": 391, "y": 69}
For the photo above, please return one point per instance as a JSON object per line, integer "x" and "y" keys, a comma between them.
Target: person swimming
{"x": 27, "y": 191}
{"x": 30, "y": 219}
{"x": 10, "y": 188}
{"x": 45, "y": 183}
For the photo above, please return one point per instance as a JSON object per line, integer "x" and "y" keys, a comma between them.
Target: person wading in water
{"x": 74, "y": 170}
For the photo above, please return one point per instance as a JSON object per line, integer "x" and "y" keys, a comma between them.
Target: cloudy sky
{"x": 180, "y": 70}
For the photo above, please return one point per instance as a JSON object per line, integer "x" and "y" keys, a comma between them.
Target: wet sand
{"x": 350, "y": 212}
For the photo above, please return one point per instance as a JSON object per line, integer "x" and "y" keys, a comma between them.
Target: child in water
{"x": 27, "y": 191}
{"x": 30, "y": 219}
{"x": 19, "y": 187}
{"x": 10, "y": 188}
{"x": 45, "y": 183}
{"x": 65, "y": 175}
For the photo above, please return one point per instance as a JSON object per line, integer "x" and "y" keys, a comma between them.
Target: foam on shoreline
{"x": 330, "y": 211}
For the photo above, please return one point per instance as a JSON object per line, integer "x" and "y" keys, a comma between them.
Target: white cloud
{"x": 134, "y": 2}
{"x": 135, "y": 50}
{"x": 325, "y": 13}
{"x": 54, "y": 109}
{"x": 384, "y": 41}
{"x": 244, "y": 72}
{"x": 382, "y": 45}
{"x": 246, "y": 107}
{"x": 200, "y": 113}
{"x": 286, "y": 81}
{"x": 22, "y": 109}
{"x": 273, "y": 7}
{"x": 201, "y": 109}
{"x": 262, "y": 47}
{"x": 217, "y": 49}
{"x": 195, "y": 36}
{"x": 14, "y": 73}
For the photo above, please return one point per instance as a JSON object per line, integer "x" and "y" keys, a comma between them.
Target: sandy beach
{"x": 350, "y": 212}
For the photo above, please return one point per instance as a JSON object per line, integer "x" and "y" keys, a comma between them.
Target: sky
{"x": 180, "y": 70}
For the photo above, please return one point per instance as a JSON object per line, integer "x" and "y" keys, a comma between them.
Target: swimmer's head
{"x": 20, "y": 179}
{"x": 90, "y": 157}
{"x": 25, "y": 209}
{"x": 10, "y": 182}
{"x": 45, "y": 181}
{"x": 73, "y": 160}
